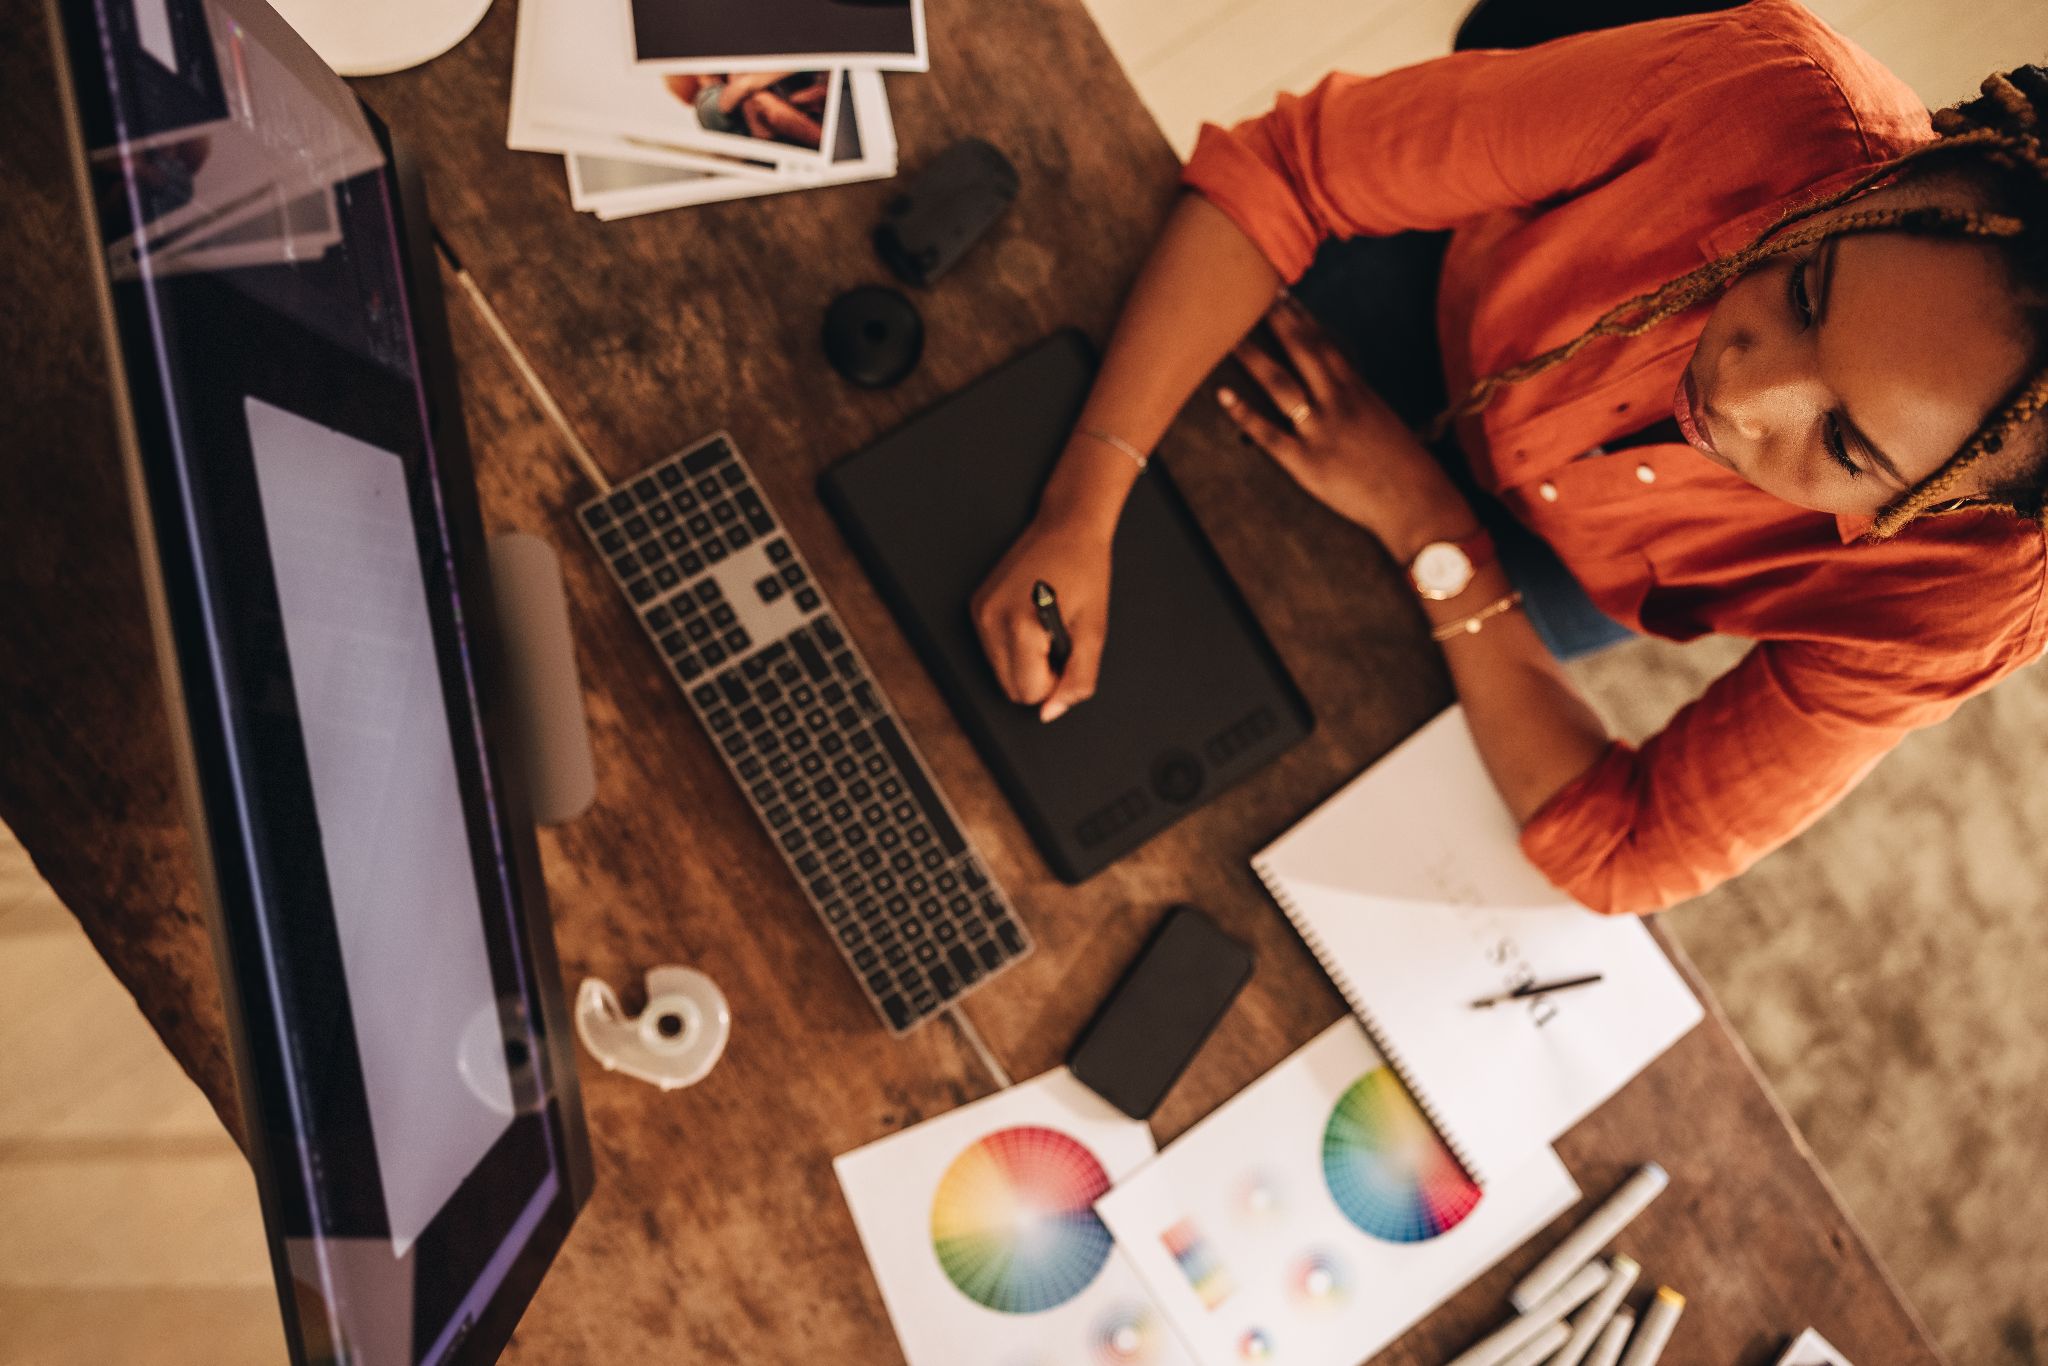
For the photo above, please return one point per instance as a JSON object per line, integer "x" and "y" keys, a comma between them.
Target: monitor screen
{"x": 310, "y": 526}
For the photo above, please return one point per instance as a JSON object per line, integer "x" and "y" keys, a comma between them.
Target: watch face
{"x": 1442, "y": 570}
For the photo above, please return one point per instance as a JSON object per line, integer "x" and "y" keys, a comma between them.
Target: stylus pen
{"x": 1061, "y": 647}
{"x": 1535, "y": 989}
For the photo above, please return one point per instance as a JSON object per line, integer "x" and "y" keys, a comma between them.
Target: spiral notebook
{"x": 1411, "y": 888}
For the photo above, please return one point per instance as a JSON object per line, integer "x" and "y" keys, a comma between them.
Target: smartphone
{"x": 1158, "y": 1015}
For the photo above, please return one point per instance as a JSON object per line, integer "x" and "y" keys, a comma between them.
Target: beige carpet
{"x": 1888, "y": 969}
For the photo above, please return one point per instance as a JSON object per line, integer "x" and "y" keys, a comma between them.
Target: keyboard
{"x": 748, "y": 636}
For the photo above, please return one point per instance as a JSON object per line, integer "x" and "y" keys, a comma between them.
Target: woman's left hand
{"x": 1338, "y": 439}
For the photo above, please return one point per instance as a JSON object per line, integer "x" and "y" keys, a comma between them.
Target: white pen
{"x": 1614, "y": 1337}
{"x": 1503, "y": 1342}
{"x": 1584, "y": 1242}
{"x": 1538, "y": 1349}
{"x": 1587, "y": 1323}
{"x": 1659, "y": 1320}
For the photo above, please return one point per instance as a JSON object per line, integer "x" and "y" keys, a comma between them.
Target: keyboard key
{"x": 641, "y": 590}
{"x": 613, "y": 541}
{"x": 670, "y": 476}
{"x": 991, "y": 956}
{"x": 647, "y": 489}
{"x": 920, "y": 786}
{"x": 827, "y": 633}
{"x": 808, "y": 653}
{"x": 964, "y": 963}
{"x": 690, "y": 562}
{"x": 734, "y": 476}
{"x": 708, "y": 592}
{"x": 714, "y": 551}
{"x": 898, "y": 1011}
{"x": 778, "y": 551}
{"x": 769, "y": 588}
{"x": 705, "y": 457}
{"x": 597, "y": 515}
{"x": 942, "y": 981}
{"x": 735, "y": 691}
{"x": 637, "y": 528}
{"x": 807, "y": 599}
{"x": 620, "y": 502}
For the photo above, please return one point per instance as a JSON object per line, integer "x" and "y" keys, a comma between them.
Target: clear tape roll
{"x": 674, "y": 1042}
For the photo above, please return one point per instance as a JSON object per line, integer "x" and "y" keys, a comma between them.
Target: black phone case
{"x": 1098, "y": 1071}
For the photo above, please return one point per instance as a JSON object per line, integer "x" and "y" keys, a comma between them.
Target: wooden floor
{"x": 128, "y": 1227}
{"x": 1221, "y": 60}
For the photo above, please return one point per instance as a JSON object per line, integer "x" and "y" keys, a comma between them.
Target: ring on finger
{"x": 1298, "y": 414}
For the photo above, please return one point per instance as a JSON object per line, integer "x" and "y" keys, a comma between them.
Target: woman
{"x": 1736, "y": 221}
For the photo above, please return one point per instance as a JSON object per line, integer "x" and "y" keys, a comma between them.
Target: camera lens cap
{"x": 873, "y": 336}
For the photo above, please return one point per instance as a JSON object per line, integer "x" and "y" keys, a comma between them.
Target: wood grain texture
{"x": 717, "y": 1233}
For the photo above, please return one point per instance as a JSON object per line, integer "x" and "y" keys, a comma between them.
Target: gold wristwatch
{"x": 1443, "y": 569}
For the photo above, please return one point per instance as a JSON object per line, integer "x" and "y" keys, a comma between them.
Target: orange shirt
{"x": 1579, "y": 174}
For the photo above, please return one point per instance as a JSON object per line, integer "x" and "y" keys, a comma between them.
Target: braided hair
{"x": 1995, "y": 143}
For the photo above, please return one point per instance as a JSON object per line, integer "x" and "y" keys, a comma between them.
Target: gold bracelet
{"x": 1469, "y": 626}
{"x": 1112, "y": 439}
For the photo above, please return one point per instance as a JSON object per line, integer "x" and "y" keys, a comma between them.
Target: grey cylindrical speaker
{"x": 547, "y": 693}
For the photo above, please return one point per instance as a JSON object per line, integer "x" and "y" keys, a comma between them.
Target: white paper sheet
{"x": 1413, "y": 879}
{"x": 979, "y": 1229}
{"x": 1241, "y": 1228}
{"x": 1811, "y": 1349}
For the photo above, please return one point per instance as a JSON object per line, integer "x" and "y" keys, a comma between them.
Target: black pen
{"x": 1047, "y": 604}
{"x": 1523, "y": 993}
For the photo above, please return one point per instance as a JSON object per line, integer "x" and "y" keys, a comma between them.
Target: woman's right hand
{"x": 1071, "y": 555}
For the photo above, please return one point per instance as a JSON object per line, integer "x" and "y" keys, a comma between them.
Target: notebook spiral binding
{"x": 1364, "y": 1017}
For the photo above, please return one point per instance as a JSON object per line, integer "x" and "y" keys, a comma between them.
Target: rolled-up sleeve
{"x": 1754, "y": 760}
{"x": 1432, "y": 145}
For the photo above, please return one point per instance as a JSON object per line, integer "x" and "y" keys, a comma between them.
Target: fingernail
{"x": 1053, "y": 712}
{"x": 1226, "y": 396}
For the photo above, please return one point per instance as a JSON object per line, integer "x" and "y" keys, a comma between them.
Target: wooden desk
{"x": 717, "y": 1233}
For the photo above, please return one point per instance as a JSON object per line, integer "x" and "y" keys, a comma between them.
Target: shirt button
{"x": 1646, "y": 474}
{"x": 1548, "y": 491}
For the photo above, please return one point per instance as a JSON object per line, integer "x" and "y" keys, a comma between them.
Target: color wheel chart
{"x": 1013, "y": 1220}
{"x": 1386, "y": 1167}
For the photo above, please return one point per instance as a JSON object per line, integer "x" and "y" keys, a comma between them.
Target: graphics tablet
{"x": 1191, "y": 696}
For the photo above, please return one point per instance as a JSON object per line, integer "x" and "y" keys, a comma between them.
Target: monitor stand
{"x": 540, "y": 664}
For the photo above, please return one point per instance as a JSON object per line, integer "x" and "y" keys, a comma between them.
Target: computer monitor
{"x": 315, "y": 561}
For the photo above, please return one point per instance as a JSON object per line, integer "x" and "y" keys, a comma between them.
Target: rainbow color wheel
{"x": 1013, "y": 1220}
{"x": 1386, "y": 1167}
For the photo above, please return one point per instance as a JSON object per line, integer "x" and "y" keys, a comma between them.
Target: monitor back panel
{"x": 1191, "y": 696}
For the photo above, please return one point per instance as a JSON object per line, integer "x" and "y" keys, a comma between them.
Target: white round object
{"x": 1548, "y": 490}
{"x": 1441, "y": 570}
{"x": 372, "y": 37}
{"x": 1646, "y": 474}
